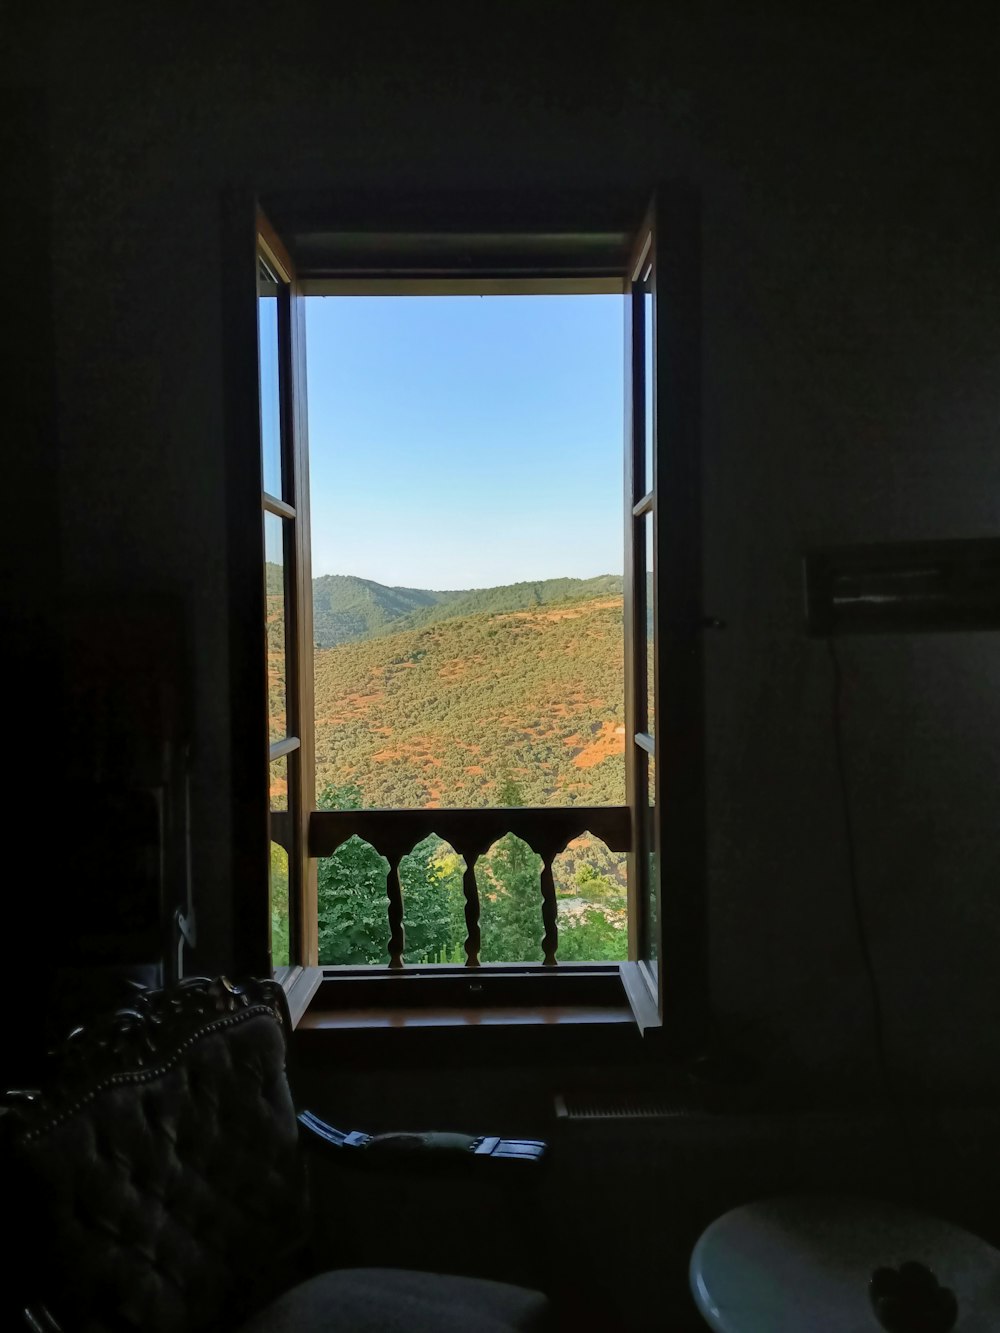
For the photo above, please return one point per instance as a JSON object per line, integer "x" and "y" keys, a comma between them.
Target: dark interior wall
{"x": 850, "y": 342}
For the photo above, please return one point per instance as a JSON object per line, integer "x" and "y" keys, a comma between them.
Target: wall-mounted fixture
{"x": 903, "y": 587}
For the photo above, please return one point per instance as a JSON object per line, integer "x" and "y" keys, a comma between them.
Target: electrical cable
{"x": 864, "y": 946}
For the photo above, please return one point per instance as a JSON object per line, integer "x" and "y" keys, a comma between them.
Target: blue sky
{"x": 465, "y": 441}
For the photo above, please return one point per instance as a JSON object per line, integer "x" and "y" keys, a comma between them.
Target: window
{"x": 661, "y": 825}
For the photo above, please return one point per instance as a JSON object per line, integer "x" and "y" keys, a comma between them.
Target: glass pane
{"x": 648, "y": 381}
{"x": 650, "y": 851}
{"x": 270, "y": 386}
{"x": 279, "y": 784}
{"x": 649, "y": 559}
{"x": 279, "y": 906}
{"x": 274, "y": 586}
{"x": 280, "y": 956}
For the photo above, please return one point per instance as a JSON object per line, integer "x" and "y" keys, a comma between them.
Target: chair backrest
{"x": 158, "y": 1180}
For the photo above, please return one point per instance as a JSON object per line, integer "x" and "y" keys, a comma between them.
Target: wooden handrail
{"x": 471, "y": 832}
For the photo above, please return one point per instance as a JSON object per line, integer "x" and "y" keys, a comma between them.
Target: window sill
{"x": 527, "y": 1011}
{"x": 501, "y": 1016}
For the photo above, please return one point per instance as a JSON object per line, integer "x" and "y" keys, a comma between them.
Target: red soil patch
{"x": 609, "y": 742}
{"x": 564, "y": 613}
{"x": 416, "y": 751}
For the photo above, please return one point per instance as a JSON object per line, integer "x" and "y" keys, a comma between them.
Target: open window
{"x": 663, "y": 611}
{"x": 433, "y": 248}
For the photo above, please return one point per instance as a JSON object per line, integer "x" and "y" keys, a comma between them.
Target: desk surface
{"x": 802, "y": 1265}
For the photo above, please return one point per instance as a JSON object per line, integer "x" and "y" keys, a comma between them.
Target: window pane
{"x": 647, "y": 626}
{"x": 279, "y": 906}
{"x": 648, "y": 383}
{"x": 270, "y": 387}
{"x": 279, "y": 784}
{"x": 274, "y": 572}
{"x": 279, "y": 869}
{"x": 650, "y": 851}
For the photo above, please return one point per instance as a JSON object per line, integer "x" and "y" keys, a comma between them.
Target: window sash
{"x": 288, "y": 828}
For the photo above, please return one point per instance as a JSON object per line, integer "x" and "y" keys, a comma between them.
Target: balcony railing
{"x": 547, "y": 831}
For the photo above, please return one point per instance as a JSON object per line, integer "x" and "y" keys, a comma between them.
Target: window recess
{"x": 432, "y": 246}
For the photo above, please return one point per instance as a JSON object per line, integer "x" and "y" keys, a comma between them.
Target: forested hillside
{"x": 347, "y": 609}
{"x": 445, "y": 714}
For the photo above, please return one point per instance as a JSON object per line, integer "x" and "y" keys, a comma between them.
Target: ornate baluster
{"x": 473, "y": 938}
{"x": 394, "y": 891}
{"x": 550, "y": 940}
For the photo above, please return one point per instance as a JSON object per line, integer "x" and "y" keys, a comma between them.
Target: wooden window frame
{"x": 247, "y": 236}
{"x": 292, "y": 509}
{"x": 469, "y": 257}
{"x": 671, "y": 972}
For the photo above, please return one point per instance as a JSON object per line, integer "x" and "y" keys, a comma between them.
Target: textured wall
{"x": 851, "y": 359}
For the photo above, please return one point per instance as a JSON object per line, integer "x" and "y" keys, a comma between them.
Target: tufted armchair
{"x": 159, "y": 1186}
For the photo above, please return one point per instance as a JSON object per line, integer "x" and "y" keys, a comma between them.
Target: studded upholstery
{"x": 159, "y": 1187}
{"x": 170, "y": 1199}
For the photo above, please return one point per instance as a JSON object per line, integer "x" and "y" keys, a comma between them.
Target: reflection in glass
{"x": 274, "y": 589}
{"x": 649, "y": 383}
{"x": 279, "y": 906}
{"x": 650, "y": 654}
{"x": 650, "y": 851}
{"x": 278, "y": 782}
{"x": 270, "y": 384}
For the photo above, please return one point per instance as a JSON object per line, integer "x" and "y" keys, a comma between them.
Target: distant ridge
{"x": 347, "y": 609}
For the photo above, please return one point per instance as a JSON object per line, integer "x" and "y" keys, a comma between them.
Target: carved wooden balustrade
{"x": 547, "y": 831}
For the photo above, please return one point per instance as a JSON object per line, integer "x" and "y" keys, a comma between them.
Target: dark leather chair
{"x": 159, "y": 1185}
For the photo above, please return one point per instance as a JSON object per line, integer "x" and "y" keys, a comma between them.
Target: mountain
{"x": 348, "y": 609}
{"x": 448, "y": 712}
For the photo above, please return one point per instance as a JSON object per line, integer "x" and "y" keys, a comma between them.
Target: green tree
{"x": 510, "y": 903}
{"x": 433, "y": 903}
{"x": 592, "y": 938}
{"x": 510, "y": 897}
{"x": 352, "y": 904}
